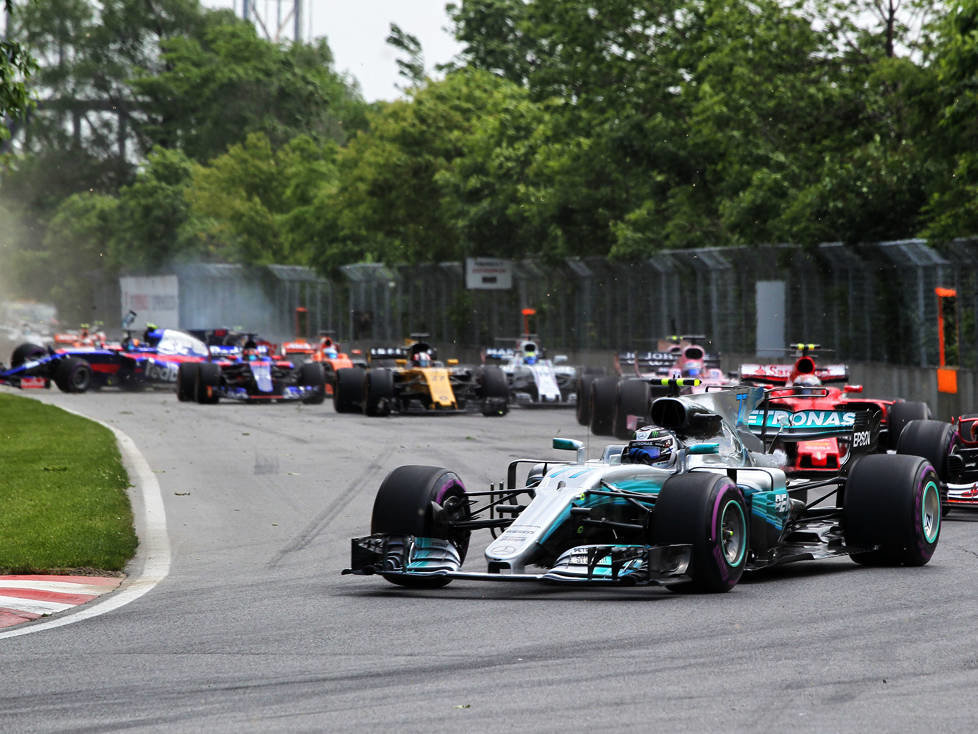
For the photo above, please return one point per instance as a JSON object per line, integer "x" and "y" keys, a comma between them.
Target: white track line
{"x": 154, "y": 543}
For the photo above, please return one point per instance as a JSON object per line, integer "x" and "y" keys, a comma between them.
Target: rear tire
{"x": 934, "y": 441}
{"x": 403, "y": 506}
{"x": 583, "y": 407}
{"x": 632, "y": 399}
{"x": 898, "y": 415}
{"x": 312, "y": 374}
{"x": 73, "y": 374}
{"x": 707, "y": 511}
{"x": 495, "y": 391}
{"x": 378, "y": 392}
{"x": 603, "y": 393}
{"x": 893, "y": 502}
{"x": 348, "y": 391}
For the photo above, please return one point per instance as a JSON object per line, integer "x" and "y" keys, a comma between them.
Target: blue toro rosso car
{"x": 132, "y": 363}
{"x": 250, "y": 374}
{"x": 692, "y": 500}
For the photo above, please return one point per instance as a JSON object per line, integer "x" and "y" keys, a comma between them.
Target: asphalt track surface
{"x": 253, "y": 629}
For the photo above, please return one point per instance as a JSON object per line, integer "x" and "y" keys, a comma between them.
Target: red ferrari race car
{"x": 803, "y": 391}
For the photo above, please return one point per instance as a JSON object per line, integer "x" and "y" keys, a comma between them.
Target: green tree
{"x": 16, "y": 65}
{"x": 87, "y": 54}
{"x": 223, "y": 83}
{"x": 491, "y": 188}
{"x": 262, "y": 202}
{"x": 153, "y": 225}
{"x": 495, "y": 37}
{"x": 952, "y": 210}
{"x": 410, "y": 68}
{"x": 389, "y": 203}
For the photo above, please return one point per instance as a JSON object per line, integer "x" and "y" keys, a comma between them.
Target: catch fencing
{"x": 870, "y": 303}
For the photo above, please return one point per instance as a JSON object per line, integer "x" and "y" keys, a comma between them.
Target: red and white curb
{"x": 26, "y": 598}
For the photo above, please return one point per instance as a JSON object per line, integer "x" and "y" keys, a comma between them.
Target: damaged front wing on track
{"x": 630, "y": 565}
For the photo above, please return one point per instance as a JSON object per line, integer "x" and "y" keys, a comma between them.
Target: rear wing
{"x": 645, "y": 362}
{"x": 498, "y": 355}
{"x": 386, "y": 354}
{"x": 779, "y": 374}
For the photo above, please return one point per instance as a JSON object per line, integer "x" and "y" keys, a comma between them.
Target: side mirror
{"x": 570, "y": 444}
{"x": 560, "y": 359}
{"x": 704, "y": 448}
{"x": 852, "y": 388}
{"x": 567, "y": 444}
{"x": 451, "y": 362}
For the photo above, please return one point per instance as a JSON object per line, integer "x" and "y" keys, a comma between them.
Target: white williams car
{"x": 533, "y": 379}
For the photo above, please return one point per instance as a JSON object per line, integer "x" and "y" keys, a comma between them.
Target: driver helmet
{"x": 250, "y": 351}
{"x": 530, "y": 359}
{"x": 652, "y": 445}
{"x": 806, "y": 384}
{"x": 330, "y": 352}
{"x": 422, "y": 359}
{"x": 152, "y": 335}
{"x": 691, "y": 370}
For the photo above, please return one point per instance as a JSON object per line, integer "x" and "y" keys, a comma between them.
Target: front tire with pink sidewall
{"x": 706, "y": 511}
{"x": 405, "y": 506}
{"x": 892, "y": 510}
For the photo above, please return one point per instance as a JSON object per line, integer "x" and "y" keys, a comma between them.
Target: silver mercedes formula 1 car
{"x": 693, "y": 498}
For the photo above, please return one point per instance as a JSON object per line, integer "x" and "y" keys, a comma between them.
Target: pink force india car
{"x": 616, "y": 405}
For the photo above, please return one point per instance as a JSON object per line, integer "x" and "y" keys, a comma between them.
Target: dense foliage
{"x": 167, "y": 132}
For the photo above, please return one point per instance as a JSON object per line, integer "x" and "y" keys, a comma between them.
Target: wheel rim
{"x": 79, "y": 379}
{"x": 733, "y": 533}
{"x": 930, "y": 512}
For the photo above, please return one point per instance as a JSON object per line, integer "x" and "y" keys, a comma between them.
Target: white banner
{"x": 155, "y": 300}
{"x": 489, "y": 273}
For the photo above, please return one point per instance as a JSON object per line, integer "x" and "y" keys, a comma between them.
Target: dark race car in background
{"x": 411, "y": 379}
{"x": 962, "y": 492}
{"x": 534, "y": 380}
{"x": 804, "y": 384}
{"x": 615, "y": 405}
{"x": 250, "y": 374}
{"x": 326, "y": 352}
{"x": 132, "y": 363}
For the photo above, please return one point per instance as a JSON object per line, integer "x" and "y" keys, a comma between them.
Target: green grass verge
{"x": 63, "y": 502}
